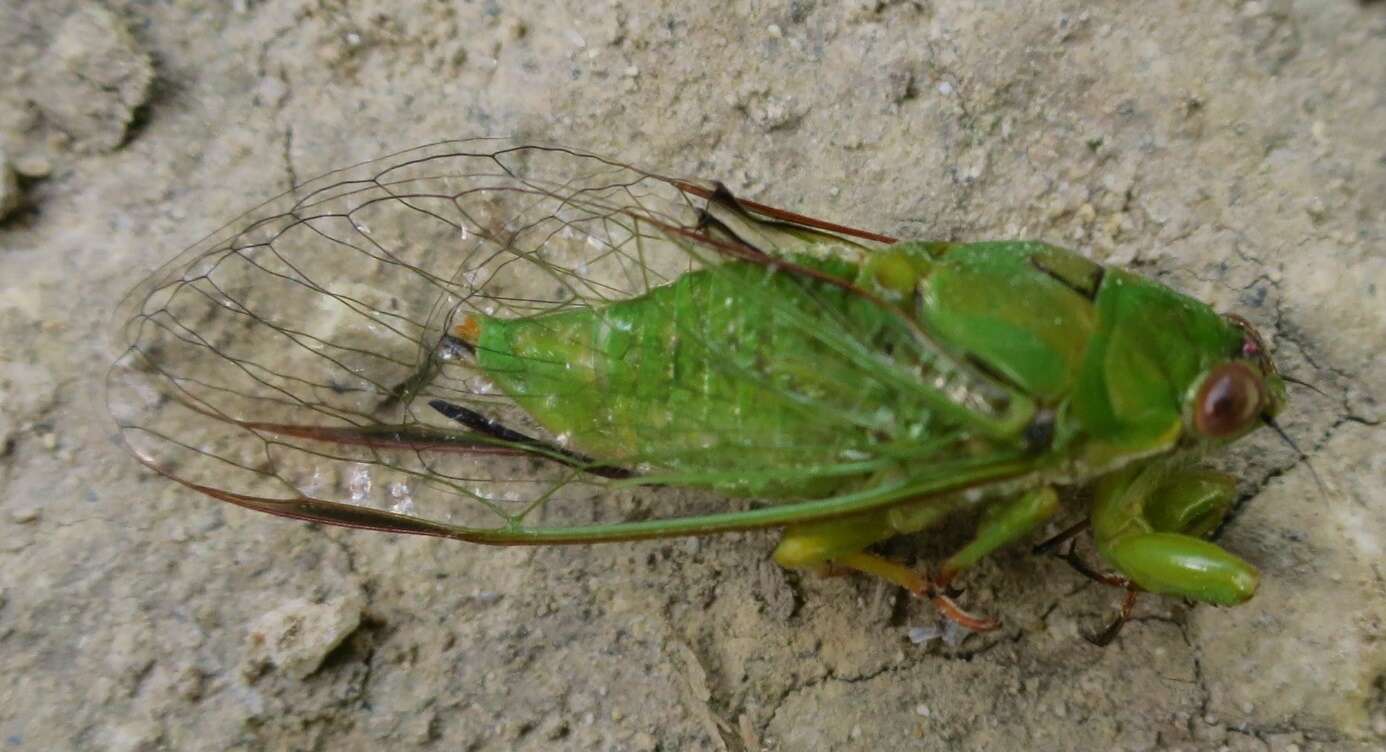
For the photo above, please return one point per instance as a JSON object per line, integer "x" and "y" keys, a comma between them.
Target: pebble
{"x": 94, "y": 76}
{"x": 25, "y": 514}
{"x": 297, "y": 636}
{"x": 33, "y": 166}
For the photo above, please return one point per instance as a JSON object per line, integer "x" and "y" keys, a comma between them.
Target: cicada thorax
{"x": 1022, "y": 310}
{"x": 1114, "y": 360}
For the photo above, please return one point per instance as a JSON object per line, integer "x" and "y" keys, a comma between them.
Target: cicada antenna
{"x": 1269, "y": 421}
{"x": 1304, "y": 384}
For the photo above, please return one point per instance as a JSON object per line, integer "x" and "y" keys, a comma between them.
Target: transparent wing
{"x": 294, "y": 361}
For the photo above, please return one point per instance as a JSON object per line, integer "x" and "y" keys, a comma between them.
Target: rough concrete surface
{"x": 1234, "y": 150}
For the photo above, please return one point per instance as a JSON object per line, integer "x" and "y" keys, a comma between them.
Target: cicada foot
{"x": 941, "y": 593}
{"x": 955, "y": 613}
{"x": 1128, "y": 603}
{"x": 1080, "y": 566}
{"x": 1104, "y": 638}
{"x": 920, "y": 586}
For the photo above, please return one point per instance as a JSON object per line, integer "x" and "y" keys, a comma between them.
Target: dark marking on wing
{"x": 1083, "y": 278}
{"x": 497, "y": 430}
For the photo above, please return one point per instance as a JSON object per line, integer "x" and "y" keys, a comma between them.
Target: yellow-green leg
{"x": 1001, "y": 525}
{"x": 841, "y": 543}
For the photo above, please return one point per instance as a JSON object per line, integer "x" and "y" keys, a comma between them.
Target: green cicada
{"x": 520, "y": 345}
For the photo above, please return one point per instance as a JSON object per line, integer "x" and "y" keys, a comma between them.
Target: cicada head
{"x": 1235, "y": 395}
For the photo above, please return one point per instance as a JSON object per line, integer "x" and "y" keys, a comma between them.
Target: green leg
{"x": 813, "y": 545}
{"x": 841, "y": 543}
{"x": 1150, "y": 524}
{"x": 1001, "y": 525}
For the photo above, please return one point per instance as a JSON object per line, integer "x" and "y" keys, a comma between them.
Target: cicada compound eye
{"x": 1228, "y": 401}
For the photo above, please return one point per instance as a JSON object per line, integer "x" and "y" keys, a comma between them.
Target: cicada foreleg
{"x": 1151, "y": 525}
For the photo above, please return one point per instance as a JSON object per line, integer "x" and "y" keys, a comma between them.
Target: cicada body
{"x": 474, "y": 339}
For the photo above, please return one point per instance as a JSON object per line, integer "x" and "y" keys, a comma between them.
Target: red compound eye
{"x": 1228, "y": 401}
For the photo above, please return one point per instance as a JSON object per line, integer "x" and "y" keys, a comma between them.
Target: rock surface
{"x": 1232, "y": 150}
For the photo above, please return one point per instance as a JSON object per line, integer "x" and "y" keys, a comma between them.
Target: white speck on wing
{"x": 401, "y": 500}
{"x": 359, "y": 482}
